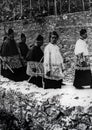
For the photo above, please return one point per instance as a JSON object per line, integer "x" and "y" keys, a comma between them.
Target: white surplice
{"x": 81, "y": 47}
{"x": 53, "y": 61}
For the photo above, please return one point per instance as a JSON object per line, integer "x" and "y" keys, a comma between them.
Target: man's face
{"x": 84, "y": 36}
{"x": 23, "y": 39}
{"x": 54, "y": 39}
{"x": 40, "y": 42}
{"x": 11, "y": 36}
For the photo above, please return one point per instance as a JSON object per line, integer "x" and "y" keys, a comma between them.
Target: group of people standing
{"x": 13, "y": 63}
{"x": 43, "y": 67}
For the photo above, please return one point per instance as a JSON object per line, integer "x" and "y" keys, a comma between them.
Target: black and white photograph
{"x": 45, "y": 64}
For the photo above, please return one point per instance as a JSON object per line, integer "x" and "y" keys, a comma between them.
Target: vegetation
{"x": 21, "y": 9}
{"x": 37, "y": 10}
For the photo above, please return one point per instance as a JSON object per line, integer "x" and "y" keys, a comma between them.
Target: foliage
{"x": 12, "y": 8}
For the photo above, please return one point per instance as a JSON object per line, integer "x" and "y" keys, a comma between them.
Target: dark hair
{"x": 83, "y": 31}
{"x": 22, "y": 35}
{"x": 39, "y": 38}
{"x": 4, "y": 38}
{"x": 53, "y": 33}
{"x": 10, "y": 31}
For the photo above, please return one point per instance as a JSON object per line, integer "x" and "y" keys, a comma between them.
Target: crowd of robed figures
{"x": 43, "y": 67}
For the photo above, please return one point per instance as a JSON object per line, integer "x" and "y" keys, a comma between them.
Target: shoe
{"x": 79, "y": 87}
{"x": 91, "y": 86}
{"x": 63, "y": 84}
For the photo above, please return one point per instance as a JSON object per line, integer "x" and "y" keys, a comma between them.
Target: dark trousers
{"x": 53, "y": 84}
{"x": 82, "y": 78}
{"x": 7, "y": 74}
{"x": 18, "y": 75}
{"x": 37, "y": 81}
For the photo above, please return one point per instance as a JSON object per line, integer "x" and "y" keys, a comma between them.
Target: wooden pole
{"x": 48, "y": 5}
{"x": 4, "y": 21}
{"x": 90, "y": 2}
{"x": 30, "y": 8}
{"x": 30, "y": 4}
{"x": 60, "y": 6}
{"x": 55, "y": 7}
{"x": 83, "y": 5}
{"x": 39, "y": 5}
{"x": 21, "y": 8}
{"x": 69, "y": 9}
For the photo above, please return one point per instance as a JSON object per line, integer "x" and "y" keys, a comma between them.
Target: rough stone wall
{"x": 67, "y": 26}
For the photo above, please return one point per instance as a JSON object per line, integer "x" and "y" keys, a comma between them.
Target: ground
{"x": 48, "y": 107}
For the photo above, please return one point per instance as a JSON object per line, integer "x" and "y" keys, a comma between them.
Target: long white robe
{"x": 53, "y": 61}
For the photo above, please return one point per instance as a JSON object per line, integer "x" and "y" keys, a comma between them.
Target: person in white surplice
{"x": 53, "y": 63}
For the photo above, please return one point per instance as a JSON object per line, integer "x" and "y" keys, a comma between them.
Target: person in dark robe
{"x": 34, "y": 58}
{"x": 11, "y": 64}
{"x": 23, "y": 49}
{"x": 83, "y": 76}
{"x": 5, "y": 40}
{"x": 23, "y": 46}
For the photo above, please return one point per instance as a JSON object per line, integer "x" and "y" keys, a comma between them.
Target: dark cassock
{"x": 34, "y": 63}
{"x": 23, "y": 50}
{"x": 11, "y": 63}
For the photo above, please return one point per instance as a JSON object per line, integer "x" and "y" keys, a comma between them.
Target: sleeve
{"x": 46, "y": 60}
{"x": 79, "y": 48}
{"x": 26, "y": 51}
{"x": 0, "y": 50}
{"x": 4, "y": 49}
{"x": 30, "y": 55}
{"x": 61, "y": 60}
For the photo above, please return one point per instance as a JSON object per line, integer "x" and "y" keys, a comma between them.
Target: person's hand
{"x": 48, "y": 73}
{"x": 63, "y": 70}
{"x": 34, "y": 69}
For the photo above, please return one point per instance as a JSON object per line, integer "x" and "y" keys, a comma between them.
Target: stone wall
{"x": 67, "y": 26}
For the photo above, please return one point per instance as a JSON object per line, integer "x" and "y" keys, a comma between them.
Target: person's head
{"x": 11, "y": 33}
{"x": 83, "y": 33}
{"x": 39, "y": 40}
{"x": 23, "y": 38}
{"x": 5, "y": 39}
{"x": 53, "y": 37}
